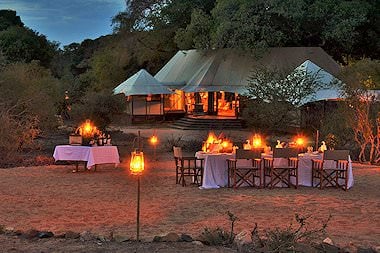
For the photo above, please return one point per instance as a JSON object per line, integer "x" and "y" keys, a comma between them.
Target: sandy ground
{"x": 55, "y": 199}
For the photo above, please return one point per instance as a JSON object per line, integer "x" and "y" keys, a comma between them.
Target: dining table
{"x": 91, "y": 155}
{"x": 215, "y": 174}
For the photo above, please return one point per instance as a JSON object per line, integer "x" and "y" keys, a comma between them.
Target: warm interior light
{"x": 137, "y": 163}
{"x": 256, "y": 142}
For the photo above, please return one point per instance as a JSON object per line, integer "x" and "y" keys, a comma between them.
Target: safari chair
{"x": 329, "y": 175}
{"x": 245, "y": 174}
{"x": 281, "y": 174}
{"x": 187, "y": 167}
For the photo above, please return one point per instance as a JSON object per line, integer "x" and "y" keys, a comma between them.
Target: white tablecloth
{"x": 91, "y": 155}
{"x": 304, "y": 168}
{"x": 215, "y": 173}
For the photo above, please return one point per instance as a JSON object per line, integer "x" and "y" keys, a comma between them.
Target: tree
{"x": 101, "y": 107}
{"x": 31, "y": 88}
{"x": 340, "y": 27}
{"x": 362, "y": 106}
{"x": 147, "y": 15}
{"x": 273, "y": 98}
{"x": 197, "y": 33}
{"x": 9, "y": 18}
{"x": 20, "y": 44}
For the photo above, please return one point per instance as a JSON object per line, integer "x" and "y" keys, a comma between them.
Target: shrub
{"x": 192, "y": 145}
{"x": 285, "y": 240}
{"x": 100, "y": 107}
{"x": 173, "y": 140}
{"x": 219, "y": 236}
{"x": 18, "y": 131}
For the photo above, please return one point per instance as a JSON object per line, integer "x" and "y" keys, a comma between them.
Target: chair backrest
{"x": 336, "y": 155}
{"x": 285, "y": 152}
{"x": 177, "y": 151}
{"x": 248, "y": 154}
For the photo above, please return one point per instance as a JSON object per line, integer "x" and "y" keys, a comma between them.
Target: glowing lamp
{"x": 153, "y": 140}
{"x": 300, "y": 142}
{"x": 256, "y": 142}
{"x": 137, "y": 163}
{"x": 87, "y": 129}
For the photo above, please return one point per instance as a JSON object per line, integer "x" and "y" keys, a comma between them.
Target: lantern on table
{"x": 257, "y": 142}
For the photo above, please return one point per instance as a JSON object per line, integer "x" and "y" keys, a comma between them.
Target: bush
{"x": 173, "y": 140}
{"x": 193, "y": 145}
{"x": 99, "y": 107}
{"x": 285, "y": 240}
{"x": 219, "y": 236}
{"x": 17, "y": 132}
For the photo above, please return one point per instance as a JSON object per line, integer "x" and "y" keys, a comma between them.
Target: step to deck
{"x": 187, "y": 123}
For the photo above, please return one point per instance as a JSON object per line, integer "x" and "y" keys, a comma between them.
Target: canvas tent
{"x": 145, "y": 95}
{"x": 329, "y": 89}
{"x": 141, "y": 83}
{"x": 229, "y": 70}
{"x": 220, "y": 76}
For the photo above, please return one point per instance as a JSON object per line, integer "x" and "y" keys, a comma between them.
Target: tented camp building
{"x": 144, "y": 94}
{"x": 212, "y": 81}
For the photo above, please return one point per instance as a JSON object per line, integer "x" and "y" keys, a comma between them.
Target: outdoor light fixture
{"x": 136, "y": 168}
{"x": 154, "y": 141}
{"x": 256, "y": 142}
{"x": 300, "y": 141}
{"x": 137, "y": 163}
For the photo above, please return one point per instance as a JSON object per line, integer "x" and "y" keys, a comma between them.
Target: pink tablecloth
{"x": 92, "y": 155}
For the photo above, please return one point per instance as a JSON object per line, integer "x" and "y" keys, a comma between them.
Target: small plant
{"x": 331, "y": 141}
{"x": 193, "y": 145}
{"x": 285, "y": 240}
{"x": 218, "y": 236}
{"x": 173, "y": 140}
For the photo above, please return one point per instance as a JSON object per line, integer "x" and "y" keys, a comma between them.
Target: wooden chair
{"x": 187, "y": 167}
{"x": 327, "y": 176}
{"x": 282, "y": 174}
{"x": 245, "y": 175}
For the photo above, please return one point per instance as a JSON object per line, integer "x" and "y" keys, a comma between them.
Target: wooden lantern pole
{"x": 138, "y": 197}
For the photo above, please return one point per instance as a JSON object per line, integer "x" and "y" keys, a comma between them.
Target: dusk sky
{"x": 67, "y": 21}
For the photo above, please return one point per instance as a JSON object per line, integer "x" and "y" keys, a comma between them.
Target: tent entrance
{"x": 219, "y": 103}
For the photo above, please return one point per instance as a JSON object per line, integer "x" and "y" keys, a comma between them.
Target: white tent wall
{"x": 139, "y": 106}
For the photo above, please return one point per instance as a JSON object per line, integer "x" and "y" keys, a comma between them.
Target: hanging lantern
{"x": 137, "y": 163}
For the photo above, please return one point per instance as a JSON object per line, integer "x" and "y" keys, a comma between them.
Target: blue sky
{"x": 67, "y": 21}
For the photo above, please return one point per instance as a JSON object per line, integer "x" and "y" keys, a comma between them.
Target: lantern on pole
{"x": 137, "y": 163}
{"x": 154, "y": 141}
{"x": 137, "y": 167}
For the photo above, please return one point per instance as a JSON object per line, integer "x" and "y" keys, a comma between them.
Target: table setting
{"x": 215, "y": 151}
{"x": 88, "y": 144}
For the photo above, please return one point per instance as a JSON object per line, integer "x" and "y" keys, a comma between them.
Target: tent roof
{"x": 229, "y": 69}
{"x": 141, "y": 83}
{"x": 329, "y": 91}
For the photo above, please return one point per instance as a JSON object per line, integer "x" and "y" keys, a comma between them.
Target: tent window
{"x": 156, "y": 97}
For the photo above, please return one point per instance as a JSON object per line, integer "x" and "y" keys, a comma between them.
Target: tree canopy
{"x": 341, "y": 27}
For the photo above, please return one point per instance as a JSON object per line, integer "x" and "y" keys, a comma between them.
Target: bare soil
{"x": 52, "y": 198}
